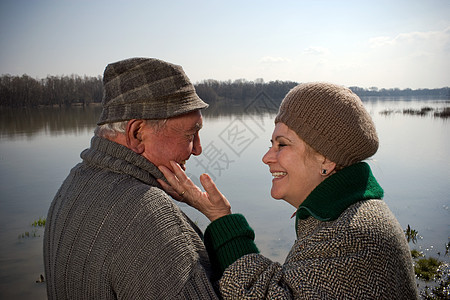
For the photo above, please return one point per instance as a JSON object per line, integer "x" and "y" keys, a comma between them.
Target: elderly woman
{"x": 349, "y": 244}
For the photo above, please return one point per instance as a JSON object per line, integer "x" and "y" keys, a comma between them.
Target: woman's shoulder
{"x": 372, "y": 222}
{"x": 370, "y": 212}
{"x": 364, "y": 229}
{"x": 365, "y": 222}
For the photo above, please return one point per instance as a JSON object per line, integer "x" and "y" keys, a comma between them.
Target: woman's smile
{"x": 278, "y": 175}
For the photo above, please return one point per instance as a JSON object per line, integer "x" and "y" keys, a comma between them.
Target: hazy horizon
{"x": 389, "y": 44}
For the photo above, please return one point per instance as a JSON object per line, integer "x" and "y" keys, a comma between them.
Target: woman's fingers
{"x": 169, "y": 190}
{"x": 172, "y": 179}
{"x": 174, "y": 188}
{"x": 210, "y": 187}
{"x": 186, "y": 191}
{"x": 178, "y": 171}
{"x": 219, "y": 205}
{"x": 211, "y": 203}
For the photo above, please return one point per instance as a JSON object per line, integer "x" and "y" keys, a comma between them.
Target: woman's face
{"x": 296, "y": 170}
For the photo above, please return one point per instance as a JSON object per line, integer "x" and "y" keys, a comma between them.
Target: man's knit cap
{"x": 146, "y": 88}
{"x": 332, "y": 120}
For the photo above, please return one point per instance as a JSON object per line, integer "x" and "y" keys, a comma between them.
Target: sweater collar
{"x": 121, "y": 159}
{"x": 344, "y": 188}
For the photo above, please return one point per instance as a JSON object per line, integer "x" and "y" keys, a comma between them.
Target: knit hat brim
{"x": 152, "y": 110}
{"x": 146, "y": 88}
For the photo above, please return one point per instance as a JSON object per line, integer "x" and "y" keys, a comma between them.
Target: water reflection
{"x": 39, "y": 146}
{"x": 26, "y": 122}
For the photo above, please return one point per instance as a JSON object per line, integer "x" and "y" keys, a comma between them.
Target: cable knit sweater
{"x": 112, "y": 233}
{"x": 349, "y": 246}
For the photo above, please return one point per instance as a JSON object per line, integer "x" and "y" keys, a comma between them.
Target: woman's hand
{"x": 212, "y": 203}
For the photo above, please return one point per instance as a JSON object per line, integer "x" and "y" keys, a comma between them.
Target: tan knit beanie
{"x": 332, "y": 120}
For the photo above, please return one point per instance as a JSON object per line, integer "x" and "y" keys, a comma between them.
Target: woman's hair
{"x": 110, "y": 130}
{"x": 311, "y": 152}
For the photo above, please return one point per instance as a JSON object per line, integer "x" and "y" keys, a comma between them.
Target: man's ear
{"x": 134, "y": 135}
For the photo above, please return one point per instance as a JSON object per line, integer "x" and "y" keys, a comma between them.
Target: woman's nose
{"x": 268, "y": 157}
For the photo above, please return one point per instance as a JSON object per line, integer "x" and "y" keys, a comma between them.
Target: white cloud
{"x": 425, "y": 39}
{"x": 411, "y": 59}
{"x": 317, "y": 51}
{"x": 271, "y": 59}
{"x": 381, "y": 41}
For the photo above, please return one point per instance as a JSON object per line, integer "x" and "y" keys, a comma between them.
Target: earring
{"x": 324, "y": 172}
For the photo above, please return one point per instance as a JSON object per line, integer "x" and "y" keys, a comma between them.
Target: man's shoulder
{"x": 107, "y": 187}
{"x": 139, "y": 191}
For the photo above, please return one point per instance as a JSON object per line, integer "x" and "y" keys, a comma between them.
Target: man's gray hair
{"x": 110, "y": 130}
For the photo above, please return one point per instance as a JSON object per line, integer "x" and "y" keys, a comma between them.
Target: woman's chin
{"x": 276, "y": 195}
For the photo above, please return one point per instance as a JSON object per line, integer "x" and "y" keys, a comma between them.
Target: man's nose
{"x": 197, "y": 147}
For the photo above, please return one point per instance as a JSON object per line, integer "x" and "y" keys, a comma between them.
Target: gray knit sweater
{"x": 112, "y": 233}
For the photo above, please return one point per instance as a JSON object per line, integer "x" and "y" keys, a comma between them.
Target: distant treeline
{"x": 25, "y": 91}
{"x": 235, "y": 96}
{"x": 396, "y": 92}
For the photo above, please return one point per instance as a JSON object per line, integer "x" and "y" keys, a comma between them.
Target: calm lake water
{"x": 38, "y": 147}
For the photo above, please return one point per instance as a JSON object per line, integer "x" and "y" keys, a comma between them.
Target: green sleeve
{"x": 227, "y": 239}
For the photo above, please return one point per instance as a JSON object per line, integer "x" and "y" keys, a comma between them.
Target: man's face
{"x": 177, "y": 140}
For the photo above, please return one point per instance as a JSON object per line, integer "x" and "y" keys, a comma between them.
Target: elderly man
{"x": 111, "y": 232}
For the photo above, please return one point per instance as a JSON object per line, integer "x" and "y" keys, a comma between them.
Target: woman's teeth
{"x": 279, "y": 174}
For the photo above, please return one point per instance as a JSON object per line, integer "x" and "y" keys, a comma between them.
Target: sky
{"x": 383, "y": 43}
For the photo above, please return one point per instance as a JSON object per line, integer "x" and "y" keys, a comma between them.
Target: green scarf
{"x": 344, "y": 188}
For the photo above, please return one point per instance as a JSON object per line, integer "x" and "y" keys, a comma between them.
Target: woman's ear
{"x": 134, "y": 135}
{"x": 328, "y": 167}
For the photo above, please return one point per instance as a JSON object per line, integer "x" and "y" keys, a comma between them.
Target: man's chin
{"x": 183, "y": 165}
